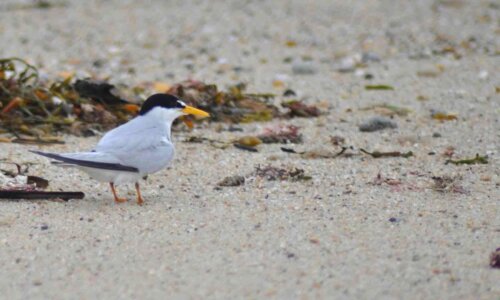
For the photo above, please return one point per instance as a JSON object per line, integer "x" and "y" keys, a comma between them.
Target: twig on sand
{"x": 471, "y": 161}
{"x": 40, "y": 195}
{"x": 378, "y": 154}
{"x": 315, "y": 154}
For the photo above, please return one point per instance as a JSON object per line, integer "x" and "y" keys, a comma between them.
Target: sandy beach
{"x": 360, "y": 228}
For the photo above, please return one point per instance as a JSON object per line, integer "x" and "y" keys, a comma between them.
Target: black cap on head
{"x": 160, "y": 100}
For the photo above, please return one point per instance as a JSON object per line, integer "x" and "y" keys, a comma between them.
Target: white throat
{"x": 163, "y": 117}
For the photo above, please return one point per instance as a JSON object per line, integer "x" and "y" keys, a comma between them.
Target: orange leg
{"x": 117, "y": 199}
{"x": 140, "y": 200}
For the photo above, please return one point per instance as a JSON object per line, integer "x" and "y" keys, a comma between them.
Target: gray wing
{"x": 139, "y": 144}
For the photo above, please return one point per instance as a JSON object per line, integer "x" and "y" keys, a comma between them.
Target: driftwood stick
{"x": 37, "y": 195}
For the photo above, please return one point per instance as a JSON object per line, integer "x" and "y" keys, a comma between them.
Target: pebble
{"x": 359, "y": 73}
{"x": 235, "y": 180}
{"x": 370, "y": 57}
{"x": 495, "y": 259}
{"x": 348, "y": 64}
{"x": 304, "y": 68}
{"x": 483, "y": 74}
{"x": 376, "y": 124}
{"x": 289, "y": 93}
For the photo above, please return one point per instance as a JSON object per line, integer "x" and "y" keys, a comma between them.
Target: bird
{"x": 134, "y": 149}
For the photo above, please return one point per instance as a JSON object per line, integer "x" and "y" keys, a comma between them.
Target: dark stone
{"x": 376, "y": 124}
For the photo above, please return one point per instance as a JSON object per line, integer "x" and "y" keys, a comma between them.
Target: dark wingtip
{"x": 41, "y": 153}
{"x": 86, "y": 163}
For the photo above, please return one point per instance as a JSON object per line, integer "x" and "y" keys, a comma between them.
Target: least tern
{"x": 133, "y": 150}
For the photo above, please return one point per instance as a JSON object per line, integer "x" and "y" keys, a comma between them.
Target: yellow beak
{"x": 189, "y": 110}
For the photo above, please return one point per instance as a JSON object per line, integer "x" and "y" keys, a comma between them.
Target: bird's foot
{"x": 117, "y": 199}
{"x": 140, "y": 200}
{"x": 120, "y": 200}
